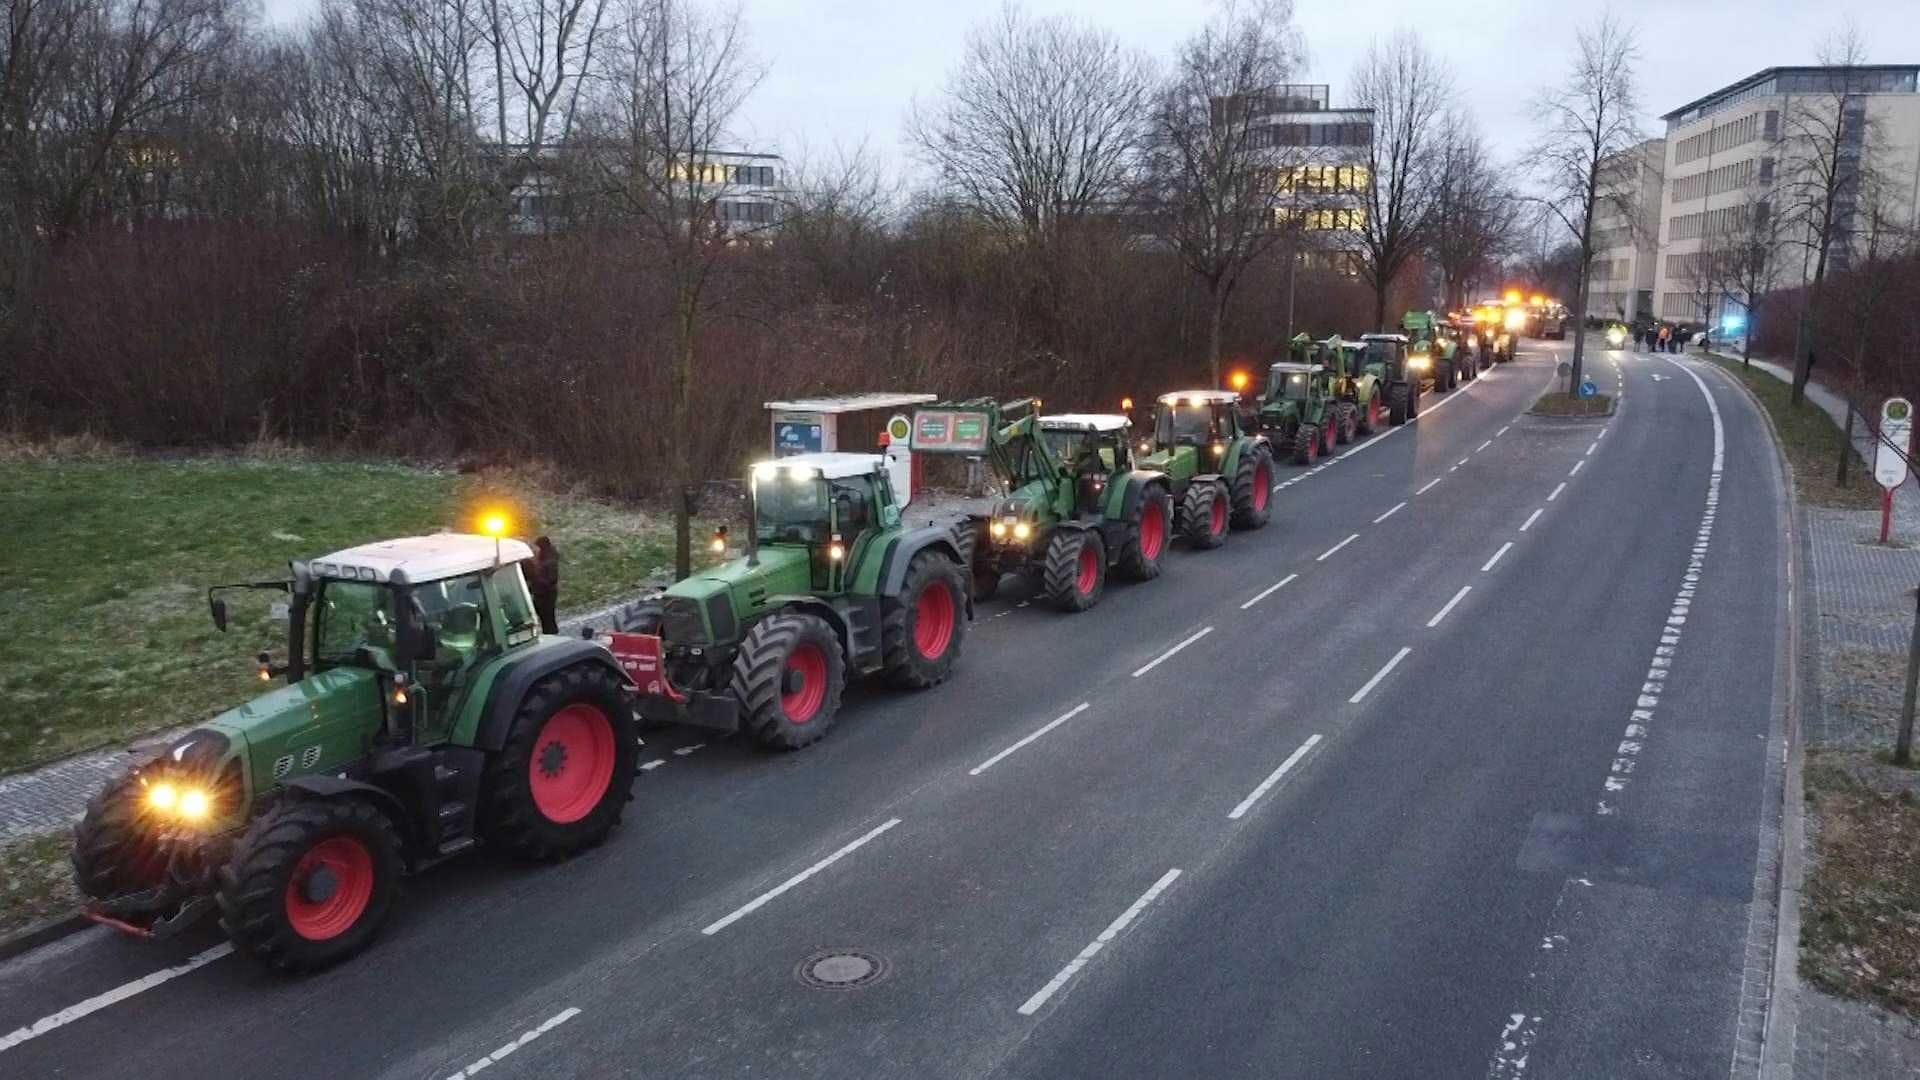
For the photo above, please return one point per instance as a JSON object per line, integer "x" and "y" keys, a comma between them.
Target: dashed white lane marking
{"x": 1442, "y": 613}
{"x": 1158, "y": 660}
{"x": 1093, "y": 949}
{"x": 1592, "y": 448}
{"x": 1483, "y": 446}
{"x": 1502, "y": 431}
{"x": 1361, "y": 693}
{"x": 1504, "y": 548}
{"x": 112, "y": 997}
{"x": 491, "y": 1059}
{"x": 1054, "y": 723}
{"x": 764, "y": 898}
{"x": 1268, "y": 591}
{"x": 685, "y": 750}
{"x": 1327, "y": 554}
{"x": 1453, "y": 468}
{"x": 1396, "y": 509}
{"x": 1463, "y": 461}
{"x": 1533, "y": 517}
{"x": 1557, "y": 491}
{"x": 1274, "y": 777}
{"x": 1428, "y": 486}
{"x": 654, "y": 764}
{"x": 1575, "y": 471}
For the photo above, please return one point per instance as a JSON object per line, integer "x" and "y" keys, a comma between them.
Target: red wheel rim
{"x": 810, "y": 664}
{"x": 1330, "y": 435}
{"x": 1219, "y": 521}
{"x": 1262, "y": 485}
{"x": 350, "y": 866}
{"x": 1089, "y": 570}
{"x": 933, "y": 621}
{"x": 1313, "y": 449}
{"x": 572, "y": 763}
{"x": 1373, "y": 411}
{"x": 1153, "y": 529}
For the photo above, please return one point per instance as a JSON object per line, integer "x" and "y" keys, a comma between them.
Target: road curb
{"x": 34, "y": 935}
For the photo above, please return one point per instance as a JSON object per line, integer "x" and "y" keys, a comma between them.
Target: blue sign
{"x": 792, "y": 437}
{"x": 1587, "y": 389}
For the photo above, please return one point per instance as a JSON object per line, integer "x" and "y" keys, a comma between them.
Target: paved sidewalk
{"x": 1862, "y": 596}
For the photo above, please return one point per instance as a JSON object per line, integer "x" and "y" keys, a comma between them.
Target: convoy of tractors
{"x": 423, "y": 712}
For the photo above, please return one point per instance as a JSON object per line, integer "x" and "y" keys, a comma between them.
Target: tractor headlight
{"x": 1219, "y": 449}
{"x": 163, "y": 796}
{"x": 1022, "y": 530}
{"x": 194, "y": 804}
{"x": 1516, "y": 319}
{"x": 1420, "y": 361}
{"x": 998, "y": 528}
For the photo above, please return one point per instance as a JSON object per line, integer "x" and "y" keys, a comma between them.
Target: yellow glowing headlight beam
{"x": 194, "y": 804}
{"x": 162, "y": 796}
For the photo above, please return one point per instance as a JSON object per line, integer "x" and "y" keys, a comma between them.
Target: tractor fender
{"x": 513, "y": 685}
{"x": 893, "y": 567}
{"x": 813, "y": 605}
{"x": 339, "y": 787}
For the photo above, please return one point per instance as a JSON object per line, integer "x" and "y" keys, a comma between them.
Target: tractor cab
{"x": 1384, "y": 354}
{"x": 1094, "y": 447}
{"x": 1292, "y": 381}
{"x": 1195, "y": 418}
{"x": 817, "y": 512}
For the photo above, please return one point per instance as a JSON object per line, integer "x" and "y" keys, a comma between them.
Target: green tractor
{"x": 1074, "y": 506}
{"x": 833, "y": 584}
{"x": 423, "y": 714}
{"x": 1386, "y": 358}
{"x": 1219, "y": 472}
{"x": 1300, "y": 407}
{"x": 1447, "y": 362}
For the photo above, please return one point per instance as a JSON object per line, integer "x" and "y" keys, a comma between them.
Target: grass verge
{"x": 1861, "y": 934}
{"x": 36, "y": 880}
{"x": 1558, "y": 403}
{"x": 106, "y": 557}
{"x": 1812, "y": 442}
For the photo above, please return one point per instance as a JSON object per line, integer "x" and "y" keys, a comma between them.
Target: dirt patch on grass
{"x": 1812, "y": 442}
{"x": 1861, "y": 935}
{"x": 36, "y": 880}
{"x": 1557, "y": 403}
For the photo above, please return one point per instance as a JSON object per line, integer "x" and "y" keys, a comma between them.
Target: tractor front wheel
{"x": 1076, "y": 569}
{"x": 926, "y": 623}
{"x": 1204, "y": 511}
{"x": 310, "y": 882}
{"x": 1253, "y": 488}
{"x": 112, "y": 852}
{"x": 1397, "y": 399}
{"x": 563, "y": 779}
{"x": 1152, "y": 531}
{"x": 789, "y": 675}
{"x": 1368, "y": 419}
{"x": 1306, "y": 444}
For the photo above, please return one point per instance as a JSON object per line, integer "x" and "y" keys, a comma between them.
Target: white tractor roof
{"x": 830, "y": 464}
{"x": 420, "y": 558}
{"x": 851, "y": 403}
{"x": 1401, "y": 338}
{"x": 1290, "y": 366}
{"x": 1196, "y": 397}
{"x": 1083, "y": 422}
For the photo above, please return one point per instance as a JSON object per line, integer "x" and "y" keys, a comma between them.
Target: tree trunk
{"x": 1580, "y": 321}
{"x": 683, "y": 481}
{"x": 1380, "y": 306}
{"x": 1218, "y": 298}
{"x": 1846, "y": 450}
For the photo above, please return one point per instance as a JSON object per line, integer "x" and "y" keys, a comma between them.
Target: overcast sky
{"x": 843, "y": 71}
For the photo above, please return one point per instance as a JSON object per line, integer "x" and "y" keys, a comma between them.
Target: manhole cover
{"x": 842, "y": 969}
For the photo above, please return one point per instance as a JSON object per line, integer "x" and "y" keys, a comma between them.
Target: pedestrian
{"x": 1660, "y": 339}
{"x": 1651, "y": 334}
{"x": 543, "y": 581}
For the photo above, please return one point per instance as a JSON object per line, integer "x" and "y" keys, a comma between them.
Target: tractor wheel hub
{"x": 791, "y": 681}
{"x": 553, "y": 758}
{"x": 320, "y": 885}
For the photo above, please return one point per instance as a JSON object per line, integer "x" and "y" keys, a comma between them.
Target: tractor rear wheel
{"x": 1367, "y": 418}
{"x": 564, "y": 777}
{"x": 1306, "y": 444}
{"x": 926, "y": 623}
{"x": 789, "y": 675}
{"x": 1253, "y": 488}
{"x": 1397, "y": 404}
{"x": 1346, "y": 422}
{"x": 1204, "y": 512}
{"x": 1149, "y": 535}
{"x": 310, "y": 883}
{"x": 1076, "y": 569}
{"x": 112, "y": 852}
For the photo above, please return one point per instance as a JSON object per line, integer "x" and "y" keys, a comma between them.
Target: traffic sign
{"x": 1896, "y": 442}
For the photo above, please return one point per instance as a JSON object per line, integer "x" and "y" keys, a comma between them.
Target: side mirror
{"x": 418, "y": 643}
{"x": 218, "y": 608}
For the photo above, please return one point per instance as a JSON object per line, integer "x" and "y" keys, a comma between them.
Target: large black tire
{"x": 640, "y": 617}
{"x": 1253, "y": 488}
{"x": 113, "y": 851}
{"x": 1076, "y": 569}
{"x": 1346, "y": 422}
{"x": 1397, "y": 404}
{"x": 310, "y": 882}
{"x": 543, "y": 796}
{"x": 1306, "y": 443}
{"x": 1152, "y": 521}
{"x": 1363, "y": 413}
{"x": 1204, "y": 512}
{"x": 1413, "y": 401}
{"x": 986, "y": 582}
{"x": 925, "y": 625}
{"x": 789, "y": 675}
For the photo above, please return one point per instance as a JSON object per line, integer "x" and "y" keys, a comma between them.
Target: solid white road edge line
{"x": 1504, "y": 548}
{"x": 1268, "y": 591}
{"x": 1156, "y": 661}
{"x": 1396, "y": 509}
{"x": 1274, "y": 778}
{"x": 1327, "y": 554}
{"x": 1442, "y": 613}
{"x": 1378, "y": 675}
{"x": 526, "y": 1037}
{"x": 1531, "y": 518}
{"x": 1056, "y": 722}
{"x": 1557, "y": 491}
{"x": 112, "y": 997}
{"x": 761, "y": 901}
{"x": 1429, "y": 486}
{"x": 1093, "y": 949}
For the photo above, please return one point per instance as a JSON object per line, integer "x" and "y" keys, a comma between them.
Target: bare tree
{"x": 1216, "y": 176}
{"x": 1409, "y": 89}
{"x": 1832, "y": 151}
{"x": 1474, "y": 213}
{"x": 1740, "y": 262}
{"x": 542, "y": 55}
{"x": 676, "y": 77}
{"x": 1587, "y": 121}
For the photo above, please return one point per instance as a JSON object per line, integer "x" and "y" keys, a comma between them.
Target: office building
{"x": 1626, "y": 226}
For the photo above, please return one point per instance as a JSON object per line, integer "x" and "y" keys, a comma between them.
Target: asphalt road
{"x": 1459, "y": 768}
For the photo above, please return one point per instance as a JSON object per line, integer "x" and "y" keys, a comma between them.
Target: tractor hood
{"x": 710, "y": 607}
{"x": 779, "y": 568}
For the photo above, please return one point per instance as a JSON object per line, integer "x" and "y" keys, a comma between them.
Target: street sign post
{"x": 1890, "y": 454}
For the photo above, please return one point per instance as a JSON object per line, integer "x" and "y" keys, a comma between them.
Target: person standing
{"x": 1666, "y": 335}
{"x": 543, "y": 581}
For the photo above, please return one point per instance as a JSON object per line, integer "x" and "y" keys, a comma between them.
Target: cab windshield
{"x": 1382, "y": 352}
{"x": 1068, "y": 444}
{"x": 1183, "y": 425}
{"x": 1291, "y": 385}
{"x": 351, "y": 615}
{"x": 789, "y": 508}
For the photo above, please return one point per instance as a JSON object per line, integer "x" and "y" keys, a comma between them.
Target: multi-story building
{"x": 1326, "y": 174}
{"x": 1729, "y": 159}
{"x": 745, "y": 188}
{"x": 1626, "y": 225}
